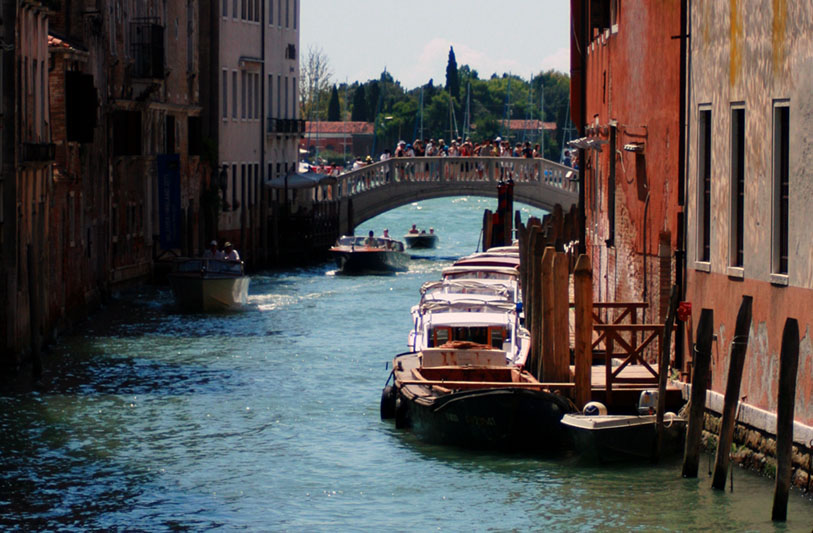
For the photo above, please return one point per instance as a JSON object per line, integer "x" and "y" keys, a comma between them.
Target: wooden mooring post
{"x": 663, "y": 368}
{"x": 739, "y": 346}
{"x": 547, "y": 362}
{"x": 697, "y": 401}
{"x": 788, "y": 366}
{"x": 583, "y": 297}
{"x": 561, "y": 319}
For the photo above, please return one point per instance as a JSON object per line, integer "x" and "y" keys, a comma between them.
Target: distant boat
{"x": 358, "y": 255}
{"x": 209, "y": 284}
{"x": 421, "y": 239}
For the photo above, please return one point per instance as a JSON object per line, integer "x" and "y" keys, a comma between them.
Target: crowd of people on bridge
{"x": 463, "y": 148}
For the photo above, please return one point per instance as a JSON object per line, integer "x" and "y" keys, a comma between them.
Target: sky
{"x": 411, "y": 39}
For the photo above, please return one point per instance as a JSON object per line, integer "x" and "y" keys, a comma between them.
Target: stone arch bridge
{"x": 385, "y": 185}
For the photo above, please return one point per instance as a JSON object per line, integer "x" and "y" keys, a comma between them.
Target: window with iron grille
{"x": 147, "y": 48}
{"x": 737, "y": 185}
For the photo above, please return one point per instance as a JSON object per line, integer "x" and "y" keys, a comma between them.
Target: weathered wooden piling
{"x": 739, "y": 346}
{"x": 488, "y": 223}
{"x": 561, "y": 319}
{"x": 547, "y": 361}
{"x": 583, "y": 294}
{"x": 788, "y": 366}
{"x": 663, "y": 367}
{"x": 532, "y": 298}
{"x": 697, "y": 401}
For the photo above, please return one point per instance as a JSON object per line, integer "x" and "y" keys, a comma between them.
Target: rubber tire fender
{"x": 388, "y": 401}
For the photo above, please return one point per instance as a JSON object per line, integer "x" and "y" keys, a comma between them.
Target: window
{"x": 781, "y": 160}
{"x": 250, "y": 91}
{"x": 169, "y": 124}
{"x": 295, "y": 4}
{"x": 225, "y": 8}
{"x": 234, "y": 94}
{"x": 270, "y": 12}
{"x": 233, "y": 184}
{"x": 270, "y": 94}
{"x": 279, "y": 13}
{"x": 243, "y": 94}
{"x": 195, "y": 136}
{"x": 250, "y": 9}
{"x": 279, "y": 93}
{"x": 242, "y": 185}
{"x": 242, "y": 9}
{"x": 286, "y": 97}
{"x": 293, "y": 97}
{"x": 287, "y": 9}
{"x": 127, "y": 132}
{"x": 234, "y": 9}
{"x": 225, "y": 95}
{"x": 81, "y": 103}
{"x": 737, "y": 185}
{"x": 257, "y": 96}
{"x": 704, "y": 184}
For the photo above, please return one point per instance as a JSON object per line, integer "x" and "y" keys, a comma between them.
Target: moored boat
{"x": 469, "y": 396}
{"x": 366, "y": 254}
{"x": 209, "y": 284}
{"x": 607, "y": 438}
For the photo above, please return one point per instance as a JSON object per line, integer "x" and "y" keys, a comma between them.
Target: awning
{"x": 301, "y": 181}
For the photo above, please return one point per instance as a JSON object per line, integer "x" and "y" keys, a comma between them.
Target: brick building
{"x": 351, "y": 138}
{"x": 625, "y": 95}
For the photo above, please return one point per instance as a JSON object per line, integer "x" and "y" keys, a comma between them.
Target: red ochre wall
{"x": 632, "y": 78}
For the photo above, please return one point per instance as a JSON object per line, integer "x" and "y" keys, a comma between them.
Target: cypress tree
{"x": 373, "y": 94}
{"x": 359, "y": 112}
{"x": 333, "y": 112}
{"x": 452, "y": 80}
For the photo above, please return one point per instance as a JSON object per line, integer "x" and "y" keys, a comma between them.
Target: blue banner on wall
{"x": 169, "y": 200}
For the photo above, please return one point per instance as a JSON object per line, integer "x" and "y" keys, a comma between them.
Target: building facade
{"x": 750, "y": 184}
{"x": 252, "y": 111}
{"x": 625, "y": 92}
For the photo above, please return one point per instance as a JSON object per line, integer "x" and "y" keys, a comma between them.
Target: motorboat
{"x": 200, "y": 284}
{"x": 465, "y": 394}
{"x": 486, "y": 320}
{"x": 365, "y": 254}
{"x": 608, "y": 438}
{"x": 421, "y": 239}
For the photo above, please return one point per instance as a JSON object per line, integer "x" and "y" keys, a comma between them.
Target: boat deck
{"x": 625, "y": 396}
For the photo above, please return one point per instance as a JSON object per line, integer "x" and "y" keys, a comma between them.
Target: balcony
{"x": 285, "y": 126}
{"x": 37, "y": 152}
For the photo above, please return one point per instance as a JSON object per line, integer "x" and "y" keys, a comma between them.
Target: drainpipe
{"x": 260, "y": 193}
{"x": 582, "y": 219}
{"x": 680, "y": 253}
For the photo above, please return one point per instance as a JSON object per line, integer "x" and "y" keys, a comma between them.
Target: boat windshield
{"x": 493, "y": 336}
{"x": 211, "y": 265}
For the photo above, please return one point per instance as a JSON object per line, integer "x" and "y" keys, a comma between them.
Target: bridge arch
{"x": 380, "y": 187}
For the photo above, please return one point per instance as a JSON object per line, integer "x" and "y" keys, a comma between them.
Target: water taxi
{"x": 369, "y": 254}
{"x": 202, "y": 285}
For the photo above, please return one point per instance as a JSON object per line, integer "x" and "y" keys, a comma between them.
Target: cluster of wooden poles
{"x": 788, "y": 366}
{"x": 545, "y": 268}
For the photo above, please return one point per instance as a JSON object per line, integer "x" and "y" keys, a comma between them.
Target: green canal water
{"x": 267, "y": 420}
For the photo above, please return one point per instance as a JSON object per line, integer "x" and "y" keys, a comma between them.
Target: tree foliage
{"x": 333, "y": 109}
{"x": 397, "y": 112}
{"x": 452, "y": 80}
{"x": 314, "y": 84}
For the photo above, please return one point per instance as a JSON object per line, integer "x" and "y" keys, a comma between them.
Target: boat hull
{"x": 421, "y": 241}
{"x": 622, "y": 438}
{"x": 372, "y": 260}
{"x": 502, "y": 418}
{"x": 208, "y": 293}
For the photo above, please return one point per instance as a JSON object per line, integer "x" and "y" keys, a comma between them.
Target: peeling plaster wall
{"x": 754, "y": 53}
{"x": 633, "y": 77}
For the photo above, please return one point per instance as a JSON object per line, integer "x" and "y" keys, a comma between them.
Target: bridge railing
{"x": 455, "y": 169}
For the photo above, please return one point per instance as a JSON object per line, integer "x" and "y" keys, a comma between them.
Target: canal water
{"x": 267, "y": 420}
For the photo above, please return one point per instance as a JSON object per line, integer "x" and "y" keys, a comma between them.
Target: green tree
{"x": 452, "y": 80}
{"x": 333, "y": 110}
{"x": 359, "y": 112}
{"x": 373, "y": 95}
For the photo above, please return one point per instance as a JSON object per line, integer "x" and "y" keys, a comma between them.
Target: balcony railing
{"x": 285, "y": 126}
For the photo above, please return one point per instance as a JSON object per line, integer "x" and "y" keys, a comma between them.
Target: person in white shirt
{"x": 230, "y": 254}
